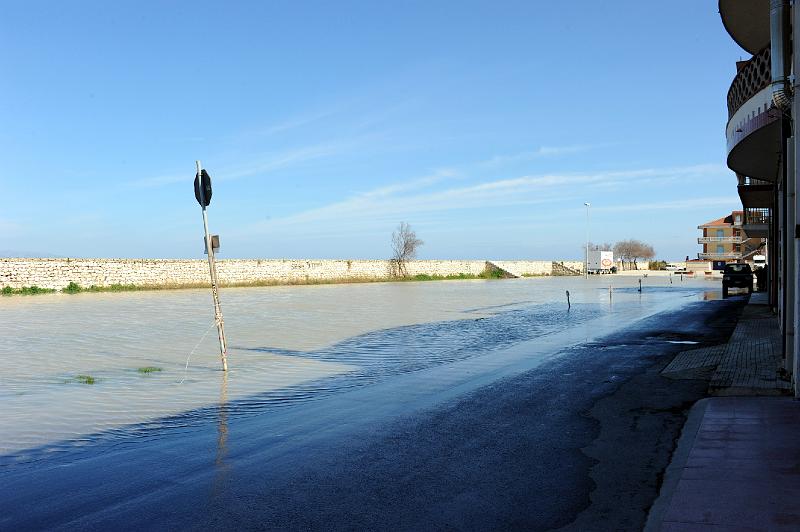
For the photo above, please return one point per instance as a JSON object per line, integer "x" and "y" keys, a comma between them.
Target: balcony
{"x": 754, "y": 124}
{"x": 757, "y": 222}
{"x": 732, "y": 255}
{"x": 755, "y": 193}
{"x": 747, "y": 22}
{"x": 721, "y": 240}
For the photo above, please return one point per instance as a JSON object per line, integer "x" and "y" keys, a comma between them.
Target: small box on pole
{"x": 214, "y": 244}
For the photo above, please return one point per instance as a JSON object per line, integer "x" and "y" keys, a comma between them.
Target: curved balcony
{"x": 747, "y": 22}
{"x": 755, "y": 193}
{"x": 754, "y": 124}
{"x": 756, "y": 222}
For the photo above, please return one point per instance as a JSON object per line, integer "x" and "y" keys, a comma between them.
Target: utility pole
{"x": 586, "y": 262}
{"x": 202, "y": 192}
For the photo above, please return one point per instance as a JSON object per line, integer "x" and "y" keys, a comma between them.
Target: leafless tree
{"x": 623, "y": 251}
{"x": 404, "y": 248}
{"x": 605, "y": 246}
{"x": 631, "y": 250}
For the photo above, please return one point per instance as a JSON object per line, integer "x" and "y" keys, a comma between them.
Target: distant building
{"x": 724, "y": 239}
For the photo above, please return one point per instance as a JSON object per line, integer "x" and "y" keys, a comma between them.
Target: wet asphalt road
{"x": 579, "y": 441}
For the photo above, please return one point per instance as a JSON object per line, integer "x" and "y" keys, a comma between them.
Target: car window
{"x": 737, "y": 268}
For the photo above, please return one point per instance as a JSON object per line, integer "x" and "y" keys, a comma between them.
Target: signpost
{"x": 202, "y": 192}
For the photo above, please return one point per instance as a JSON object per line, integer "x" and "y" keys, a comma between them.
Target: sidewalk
{"x": 749, "y": 364}
{"x": 737, "y": 464}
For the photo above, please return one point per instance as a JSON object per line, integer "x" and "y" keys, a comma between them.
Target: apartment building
{"x": 724, "y": 239}
{"x": 762, "y": 149}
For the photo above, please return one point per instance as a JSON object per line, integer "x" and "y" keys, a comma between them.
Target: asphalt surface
{"x": 579, "y": 441}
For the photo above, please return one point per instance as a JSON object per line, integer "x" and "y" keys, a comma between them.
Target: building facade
{"x": 724, "y": 239}
{"x": 762, "y": 146}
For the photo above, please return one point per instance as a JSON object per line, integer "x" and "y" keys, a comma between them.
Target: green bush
{"x": 33, "y": 290}
{"x": 25, "y": 290}
{"x": 493, "y": 273}
{"x": 72, "y": 288}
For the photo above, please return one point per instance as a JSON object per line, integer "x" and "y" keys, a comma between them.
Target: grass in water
{"x": 85, "y": 379}
{"x": 149, "y": 369}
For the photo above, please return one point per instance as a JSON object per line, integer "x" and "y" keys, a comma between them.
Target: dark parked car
{"x": 737, "y": 276}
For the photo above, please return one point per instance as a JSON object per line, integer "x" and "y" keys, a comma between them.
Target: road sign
{"x": 202, "y": 191}
{"x": 203, "y": 194}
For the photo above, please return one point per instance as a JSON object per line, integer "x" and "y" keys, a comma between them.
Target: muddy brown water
{"x": 287, "y": 345}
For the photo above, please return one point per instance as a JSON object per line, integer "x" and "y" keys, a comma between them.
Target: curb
{"x": 674, "y": 471}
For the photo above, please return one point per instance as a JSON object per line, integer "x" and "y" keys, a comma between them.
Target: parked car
{"x": 737, "y": 275}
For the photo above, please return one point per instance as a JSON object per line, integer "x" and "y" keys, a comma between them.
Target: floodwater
{"x": 286, "y": 345}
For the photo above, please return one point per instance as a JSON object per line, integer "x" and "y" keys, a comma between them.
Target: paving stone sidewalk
{"x": 737, "y": 464}
{"x": 749, "y": 364}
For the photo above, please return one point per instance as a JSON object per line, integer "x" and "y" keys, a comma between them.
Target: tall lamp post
{"x": 586, "y": 263}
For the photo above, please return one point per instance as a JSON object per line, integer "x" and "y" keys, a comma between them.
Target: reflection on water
{"x": 222, "y": 421}
{"x": 288, "y": 345}
{"x": 220, "y": 466}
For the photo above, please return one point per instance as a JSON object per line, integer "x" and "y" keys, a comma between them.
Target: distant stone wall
{"x": 58, "y": 273}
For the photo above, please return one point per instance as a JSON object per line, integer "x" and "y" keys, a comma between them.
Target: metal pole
{"x": 586, "y": 263}
{"x": 212, "y": 267}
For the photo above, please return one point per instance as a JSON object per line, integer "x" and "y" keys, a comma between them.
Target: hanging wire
{"x": 186, "y": 368}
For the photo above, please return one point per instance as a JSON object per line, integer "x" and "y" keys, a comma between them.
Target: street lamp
{"x": 586, "y": 264}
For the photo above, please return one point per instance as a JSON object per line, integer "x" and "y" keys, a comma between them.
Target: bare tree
{"x": 605, "y": 246}
{"x": 631, "y": 250}
{"x": 404, "y": 248}
{"x": 623, "y": 251}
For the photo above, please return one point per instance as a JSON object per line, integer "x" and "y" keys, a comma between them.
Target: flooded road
{"x": 288, "y": 346}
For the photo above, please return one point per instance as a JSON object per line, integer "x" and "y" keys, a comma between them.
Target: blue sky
{"x": 485, "y": 125}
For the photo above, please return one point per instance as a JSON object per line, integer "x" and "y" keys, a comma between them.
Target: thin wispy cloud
{"x": 414, "y": 184}
{"x": 540, "y": 152}
{"x": 683, "y": 204}
{"x": 419, "y": 196}
{"x": 272, "y": 163}
{"x": 295, "y": 122}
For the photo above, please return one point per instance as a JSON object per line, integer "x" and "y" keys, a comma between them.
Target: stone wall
{"x": 58, "y": 273}
{"x": 522, "y": 268}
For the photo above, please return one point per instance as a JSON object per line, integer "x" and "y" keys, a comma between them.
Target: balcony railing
{"x": 757, "y": 216}
{"x": 720, "y": 256}
{"x": 751, "y": 181}
{"x": 753, "y": 77}
{"x": 720, "y": 239}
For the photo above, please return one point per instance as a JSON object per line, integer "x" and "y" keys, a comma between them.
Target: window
{"x": 720, "y": 248}
{"x": 720, "y": 232}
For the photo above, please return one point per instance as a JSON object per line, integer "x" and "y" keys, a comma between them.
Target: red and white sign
{"x": 606, "y": 263}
